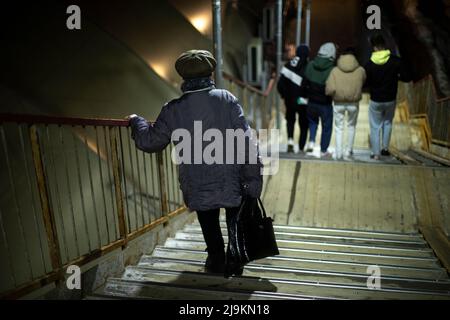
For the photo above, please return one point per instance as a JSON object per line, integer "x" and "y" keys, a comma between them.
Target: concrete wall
{"x": 74, "y": 73}
{"x": 160, "y": 30}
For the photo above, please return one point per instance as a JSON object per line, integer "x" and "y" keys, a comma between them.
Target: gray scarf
{"x": 197, "y": 84}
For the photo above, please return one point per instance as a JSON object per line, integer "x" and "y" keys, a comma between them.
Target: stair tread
{"x": 312, "y": 244}
{"x": 316, "y": 239}
{"x": 296, "y": 263}
{"x": 202, "y": 255}
{"x": 334, "y": 238}
{"x": 314, "y": 263}
{"x": 117, "y": 287}
{"x": 304, "y": 275}
{"x": 314, "y": 247}
{"x": 283, "y": 237}
{"x": 257, "y": 284}
{"x": 333, "y": 231}
{"x": 337, "y": 256}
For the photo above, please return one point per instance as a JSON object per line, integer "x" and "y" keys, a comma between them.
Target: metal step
{"x": 311, "y": 244}
{"x": 101, "y": 297}
{"x": 314, "y": 263}
{"x": 191, "y": 273}
{"x": 304, "y": 275}
{"x": 309, "y": 264}
{"x": 334, "y": 232}
{"x": 169, "y": 291}
{"x": 429, "y": 262}
{"x": 282, "y": 235}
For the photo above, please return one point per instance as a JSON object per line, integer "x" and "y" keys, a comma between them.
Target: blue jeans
{"x": 325, "y": 113}
{"x": 381, "y": 115}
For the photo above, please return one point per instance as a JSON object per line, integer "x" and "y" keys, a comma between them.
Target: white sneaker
{"x": 326, "y": 155}
{"x": 349, "y": 154}
{"x": 291, "y": 145}
{"x": 310, "y": 147}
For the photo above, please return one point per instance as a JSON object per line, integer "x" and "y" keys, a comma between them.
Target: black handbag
{"x": 251, "y": 234}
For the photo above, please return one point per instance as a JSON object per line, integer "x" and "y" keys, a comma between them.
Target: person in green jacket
{"x": 320, "y": 106}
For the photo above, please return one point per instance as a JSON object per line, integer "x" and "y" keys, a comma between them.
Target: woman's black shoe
{"x": 233, "y": 269}
{"x": 385, "y": 153}
{"x": 215, "y": 263}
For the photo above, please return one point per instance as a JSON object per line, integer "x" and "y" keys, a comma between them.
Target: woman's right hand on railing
{"x": 131, "y": 116}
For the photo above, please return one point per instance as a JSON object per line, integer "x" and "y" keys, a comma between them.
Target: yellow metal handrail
{"x": 257, "y": 104}
{"x": 121, "y": 167}
{"x": 422, "y": 100}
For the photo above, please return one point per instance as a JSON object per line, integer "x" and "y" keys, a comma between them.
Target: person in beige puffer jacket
{"x": 345, "y": 85}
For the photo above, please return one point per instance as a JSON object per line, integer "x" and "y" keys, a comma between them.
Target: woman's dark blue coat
{"x": 204, "y": 186}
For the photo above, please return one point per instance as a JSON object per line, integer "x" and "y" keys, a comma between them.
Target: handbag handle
{"x": 262, "y": 207}
{"x": 260, "y": 204}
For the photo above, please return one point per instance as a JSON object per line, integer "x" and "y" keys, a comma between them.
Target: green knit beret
{"x": 195, "y": 64}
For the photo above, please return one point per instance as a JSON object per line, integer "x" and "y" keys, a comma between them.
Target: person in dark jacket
{"x": 320, "y": 106}
{"x": 207, "y": 187}
{"x": 384, "y": 70}
{"x": 289, "y": 87}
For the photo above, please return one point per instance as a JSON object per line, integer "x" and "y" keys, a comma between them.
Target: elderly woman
{"x": 207, "y": 187}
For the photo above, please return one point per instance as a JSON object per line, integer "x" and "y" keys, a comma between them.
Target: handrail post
{"x": 279, "y": 52}
{"x": 217, "y": 38}
{"x": 47, "y": 213}
{"x": 431, "y": 109}
{"x": 118, "y": 185}
{"x": 253, "y": 103}
{"x": 265, "y": 123}
{"x": 162, "y": 184}
{"x": 298, "y": 38}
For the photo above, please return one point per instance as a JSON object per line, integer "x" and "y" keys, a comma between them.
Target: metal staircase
{"x": 314, "y": 263}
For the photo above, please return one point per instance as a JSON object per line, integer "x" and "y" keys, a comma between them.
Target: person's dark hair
{"x": 377, "y": 40}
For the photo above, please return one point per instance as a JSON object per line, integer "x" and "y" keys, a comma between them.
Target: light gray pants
{"x": 340, "y": 110}
{"x": 381, "y": 115}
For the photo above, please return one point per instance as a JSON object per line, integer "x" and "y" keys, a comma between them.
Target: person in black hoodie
{"x": 289, "y": 87}
{"x": 384, "y": 70}
{"x": 320, "y": 106}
